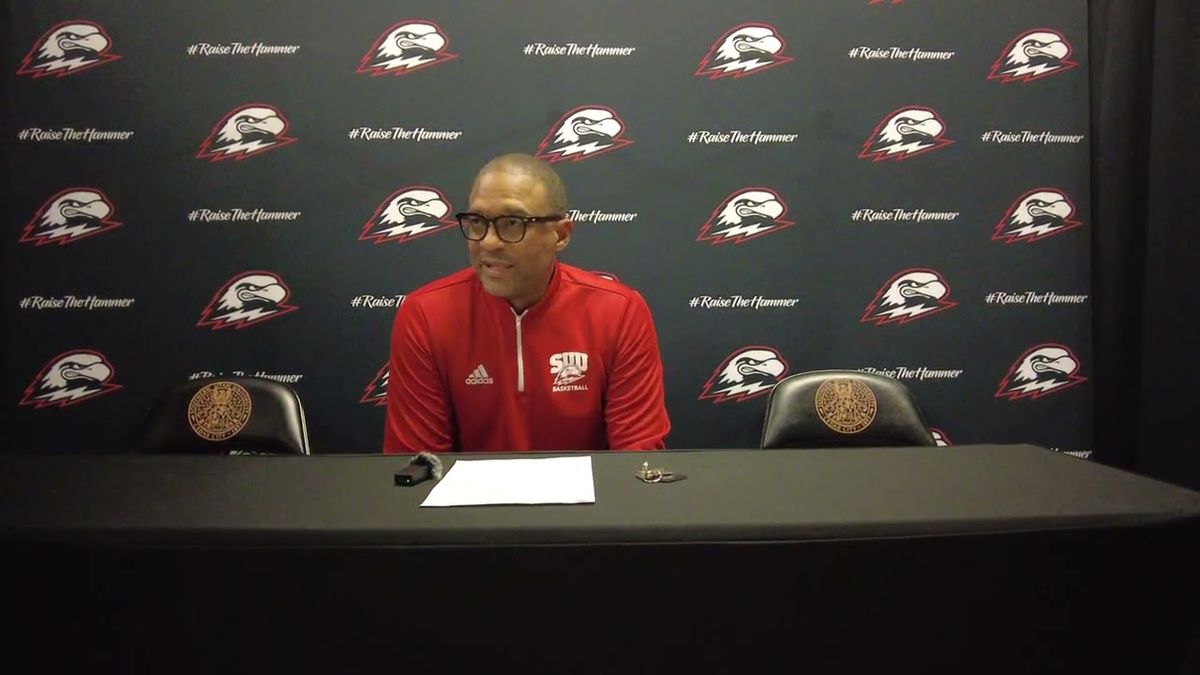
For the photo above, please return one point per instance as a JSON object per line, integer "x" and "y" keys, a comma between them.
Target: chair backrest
{"x": 225, "y": 416}
{"x": 839, "y": 408}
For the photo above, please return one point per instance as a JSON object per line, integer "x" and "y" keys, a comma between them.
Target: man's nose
{"x": 491, "y": 240}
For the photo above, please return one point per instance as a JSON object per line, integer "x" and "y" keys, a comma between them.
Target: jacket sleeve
{"x": 635, "y": 413}
{"x": 419, "y": 417}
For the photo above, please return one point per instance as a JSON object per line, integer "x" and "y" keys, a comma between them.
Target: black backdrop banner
{"x": 239, "y": 188}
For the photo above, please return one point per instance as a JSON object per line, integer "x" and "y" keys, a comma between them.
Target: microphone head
{"x": 431, "y": 460}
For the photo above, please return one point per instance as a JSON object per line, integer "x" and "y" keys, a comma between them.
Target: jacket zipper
{"x": 520, "y": 357}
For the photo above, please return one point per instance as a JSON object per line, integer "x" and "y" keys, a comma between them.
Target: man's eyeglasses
{"x": 510, "y": 229}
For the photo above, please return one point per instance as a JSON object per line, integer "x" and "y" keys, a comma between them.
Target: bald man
{"x": 521, "y": 352}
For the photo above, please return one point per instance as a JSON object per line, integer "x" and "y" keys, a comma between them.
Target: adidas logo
{"x": 479, "y": 376}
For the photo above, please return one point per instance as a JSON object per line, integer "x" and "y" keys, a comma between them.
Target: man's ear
{"x": 562, "y": 230}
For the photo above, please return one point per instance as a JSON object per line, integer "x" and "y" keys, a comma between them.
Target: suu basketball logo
{"x": 68, "y": 48}
{"x": 584, "y": 132}
{"x": 909, "y": 295}
{"x": 746, "y": 373}
{"x": 1035, "y": 215}
{"x": 905, "y": 133}
{"x": 247, "y": 299}
{"x": 409, "y": 212}
{"x": 69, "y": 378}
{"x": 745, "y": 214}
{"x": 1032, "y": 55}
{"x": 406, "y": 47}
{"x": 246, "y": 131}
{"x": 70, "y": 215}
{"x": 375, "y": 393}
{"x": 1043, "y": 369}
{"x": 744, "y": 50}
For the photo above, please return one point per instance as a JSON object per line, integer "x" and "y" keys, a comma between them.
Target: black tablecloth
{"x": 729, "y": 495}
{"x": 995, "y": 558}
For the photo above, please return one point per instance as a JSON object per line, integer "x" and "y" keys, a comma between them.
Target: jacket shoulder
{"x": 583, "y": 280}
{"x": 450, "y": 285}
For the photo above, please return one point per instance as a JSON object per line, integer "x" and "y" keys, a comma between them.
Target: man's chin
{"x": 493, "y": 288}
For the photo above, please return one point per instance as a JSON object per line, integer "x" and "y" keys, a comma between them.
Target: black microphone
{"x": 422, "y": 467}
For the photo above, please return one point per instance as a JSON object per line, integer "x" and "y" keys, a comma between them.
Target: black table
{"x": 983, "y": 558}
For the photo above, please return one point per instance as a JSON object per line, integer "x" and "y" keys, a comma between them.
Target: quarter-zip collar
{"x": 503, "y": 308}
{"x": 501, "y": 305}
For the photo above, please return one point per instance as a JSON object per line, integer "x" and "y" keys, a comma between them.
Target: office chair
{"x": 841, "y": 408}
{"x": 225, "y": 416}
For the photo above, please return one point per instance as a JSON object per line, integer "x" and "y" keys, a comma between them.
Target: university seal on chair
{"x": 847, "y": 406}
{"x": 219, "y": 410}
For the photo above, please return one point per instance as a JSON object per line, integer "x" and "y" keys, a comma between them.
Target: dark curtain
{"x": 1145, "y": 211}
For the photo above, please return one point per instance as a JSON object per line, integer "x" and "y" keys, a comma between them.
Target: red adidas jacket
{"x": 579, "y": 370}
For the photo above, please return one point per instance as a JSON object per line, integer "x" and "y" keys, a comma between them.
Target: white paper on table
{"x": 550, "y": 480}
